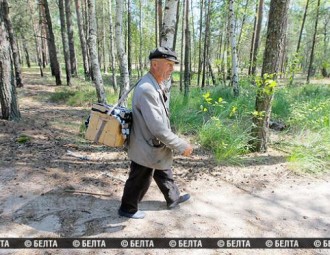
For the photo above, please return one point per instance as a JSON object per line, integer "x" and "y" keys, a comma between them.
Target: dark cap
{"x": 165, "y": 53}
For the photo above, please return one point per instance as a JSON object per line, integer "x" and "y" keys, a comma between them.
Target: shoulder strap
{"x": 122, "y": 98}
{"x": 163, "y": 103}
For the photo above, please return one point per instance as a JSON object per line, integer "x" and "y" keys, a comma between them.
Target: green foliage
{"x": 266, "y": 84}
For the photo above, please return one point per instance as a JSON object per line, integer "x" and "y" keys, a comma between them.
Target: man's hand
{"x": 188, "y": 151}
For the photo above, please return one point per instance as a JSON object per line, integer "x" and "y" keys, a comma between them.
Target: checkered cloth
{"x": 122, "y": 114}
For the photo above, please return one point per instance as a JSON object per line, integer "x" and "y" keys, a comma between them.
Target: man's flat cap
{"x": 165, "y": 53}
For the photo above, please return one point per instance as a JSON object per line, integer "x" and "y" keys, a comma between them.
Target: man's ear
{"x": 154, "y": 64}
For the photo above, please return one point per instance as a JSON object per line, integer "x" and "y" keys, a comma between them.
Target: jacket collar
{"x": 159, "y": 90}
{"x": 154, "y": 82}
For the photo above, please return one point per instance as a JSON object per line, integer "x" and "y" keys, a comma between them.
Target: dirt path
{"x": 58, "y": 185}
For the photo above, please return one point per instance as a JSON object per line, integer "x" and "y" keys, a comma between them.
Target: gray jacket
{"x": 151, "y": 140}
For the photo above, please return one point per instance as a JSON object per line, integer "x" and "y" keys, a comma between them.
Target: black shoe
{"x": 181, "y": 199}
{"x": 137, "y": 215}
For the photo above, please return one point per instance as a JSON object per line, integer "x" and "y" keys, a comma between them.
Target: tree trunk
{"x": 156, "y": 21}
{"x": 206, "y": 39}
{"x": 302, "y": 26}
{"x": 43, "y": 37}
{"x": 211, "y": 73}
{"x": 70, "y": 37}
{"x": 169, "y": 23}
{"x": 187, "y": 74}
{"x": 242, "y": 28}
{"x": 141, "y": 42}
{"x": 257, "y": 37}
{"x": 176, "y": 24}
{"x": 35, "y": 38}
{"x": 298, "y": 44}
{"x": 19, "y": 52}
{"x": 12, "y": 39}
{"x": 234, "y": 65}
{"x": 86, "y": 31}
{"x": 182, "y": 44}
{"x": 82, "y": 38}
{"x": 112, "y": 50}
{"x": 8, "y": 97}
{"x": 311, "y": 67}
{"x": 129, "y": 41}
{"x": 324, "y": 70}
{"x": 167, "y": 36}
{"x": 97, "y": 77}
{"x": 160, "y": 20}
{"x": 26, "y": 51}
{"x": 200, "y": 42}
{"x": 122, "y": 57}
{"x": 224, "y": 66}
{"x": 274, "y": 45}
{"x": 65, "y": 43}
{"x": 193, "y": 56}
{"x": 253, "y": 40}
{"x": 51, "y": 44}
{"x": 104, "y": 45}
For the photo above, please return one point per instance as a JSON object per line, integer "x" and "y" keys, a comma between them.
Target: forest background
{"x": 222, "y": 92}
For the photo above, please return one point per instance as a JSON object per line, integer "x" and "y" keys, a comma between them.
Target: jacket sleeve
{"x": 153, "y": 113}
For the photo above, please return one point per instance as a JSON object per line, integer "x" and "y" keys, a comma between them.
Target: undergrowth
{"x": 221, "y": 122}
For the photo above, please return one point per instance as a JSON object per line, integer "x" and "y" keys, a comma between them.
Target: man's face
{"x": 165, "y": 68}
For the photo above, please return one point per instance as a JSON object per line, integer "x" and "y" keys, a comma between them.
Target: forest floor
{"x": 58, "y": 185}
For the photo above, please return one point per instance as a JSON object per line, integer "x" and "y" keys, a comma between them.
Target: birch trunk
{"x": 129, "y": 38}
{"x": 167, "y": 36}
{"x": 122, "y": 57}
{"x": 97, "y": 77}
{"x": 169, "y": 24}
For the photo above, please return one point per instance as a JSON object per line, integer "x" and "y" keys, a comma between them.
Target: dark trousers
{"x": 139, "y": 181}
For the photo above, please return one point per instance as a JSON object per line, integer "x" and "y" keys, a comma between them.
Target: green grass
{"x": 310, "y": 152}
{"x": 221, "y": 123}
{"x": 227, "y": 140}
{"x": 306, "y": 110}
{"x": 23, "y": 139}
{"x": 80, "y": 93}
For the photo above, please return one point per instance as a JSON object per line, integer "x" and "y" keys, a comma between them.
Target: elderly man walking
{"x": 152, "y": 142}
